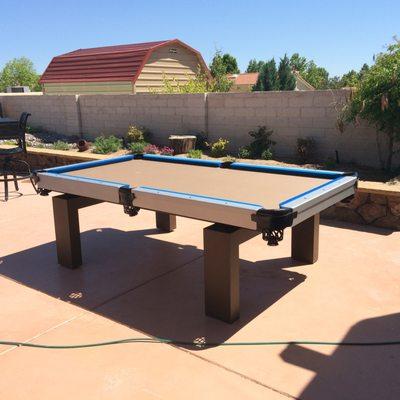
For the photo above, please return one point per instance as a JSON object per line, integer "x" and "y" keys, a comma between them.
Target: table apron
{"x": 204, "y": 209}
{"x": 80, "y": 187}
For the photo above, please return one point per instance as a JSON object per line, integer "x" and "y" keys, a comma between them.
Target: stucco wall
{"x": 228, "y": 115}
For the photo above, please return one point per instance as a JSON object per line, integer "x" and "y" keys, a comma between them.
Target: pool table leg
{"x": 165, "y": 222}
{"x": 305, "y": 240}
{"x": 221, "y": 270}
{"x": 66, "y": 222}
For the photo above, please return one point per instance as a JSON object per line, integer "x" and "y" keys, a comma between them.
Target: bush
{"x": 167, "y": 151}
{"x": 151, "y": 149}
{"x": 261, "y": 141}
{"x": 267, "y": 154}
{"x": 106, "y": 145}
{"x": 194, "y": 154}
{"x": 136, "y": 134}
{"x": 219, "y": 148}
{"x": 201, "y": 142}
{"x": 244, "y": 152}
{"x": 60, "y": 145}
{"x": 305, "y": 147}
{"x": 138, "y": 147}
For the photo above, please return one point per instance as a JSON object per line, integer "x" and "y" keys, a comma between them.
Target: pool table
{"x": 241, "y": 200}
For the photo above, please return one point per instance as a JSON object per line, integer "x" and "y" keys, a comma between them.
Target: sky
{"x": 338, "y": 35}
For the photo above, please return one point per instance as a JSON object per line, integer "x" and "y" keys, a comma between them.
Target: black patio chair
{"x": 11, "y": 170}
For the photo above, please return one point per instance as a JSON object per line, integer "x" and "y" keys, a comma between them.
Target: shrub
{"x": 138, "y": 147}
{"x": 229, "y": 159}
{"x": 261, "y": 141}
{"x": 105, "y": 145}
{"x": 376, "y": 100}
{"x": 136, "y": 134}
{"x": 267, "y": 154}
{"x": 201, "y": 142}
{"x": 167, "y": 151}
{"x": 60, "y": 145}
{"x": 305, "y": 147}
{"x": 219, "y": 148}
{"x": 152, "y": 149}
{"x": 194, "y": 154}
{"x": 244, "y": 152}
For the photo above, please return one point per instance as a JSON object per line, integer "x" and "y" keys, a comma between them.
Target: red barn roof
{"x": 110, "y": 63}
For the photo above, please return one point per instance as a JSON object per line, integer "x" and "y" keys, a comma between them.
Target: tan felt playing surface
{"x": 260, "y": 188}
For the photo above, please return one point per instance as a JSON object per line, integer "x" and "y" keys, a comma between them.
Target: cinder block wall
{"x": 53, "y": 113}
{"x": 229, "y": 115}
{"x": 291, "y": 115}
{"x": 162, "y": 114}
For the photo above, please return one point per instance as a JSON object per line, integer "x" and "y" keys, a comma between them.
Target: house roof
{"x": 109, "y": 63}
{"x": 248, "y": 78}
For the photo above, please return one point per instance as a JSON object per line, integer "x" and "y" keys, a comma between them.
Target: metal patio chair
{"x": 13, "y": 168}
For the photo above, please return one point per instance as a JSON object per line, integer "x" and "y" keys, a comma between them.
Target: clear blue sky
{"x": 339, "y": 35}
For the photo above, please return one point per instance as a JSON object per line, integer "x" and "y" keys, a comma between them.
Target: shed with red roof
{"x": 130, "y": 68}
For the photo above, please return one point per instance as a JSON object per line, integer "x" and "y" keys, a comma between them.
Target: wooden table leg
{"x": 66, "y": 222}
{"x": 165, "y": 222}
{"x": 221, "y": 270}
{"x": 305, "y": 240}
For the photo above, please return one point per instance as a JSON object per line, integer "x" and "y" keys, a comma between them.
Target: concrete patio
{"x": 138, "y": 282}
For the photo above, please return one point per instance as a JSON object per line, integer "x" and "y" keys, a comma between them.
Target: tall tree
{"x": 219, "y": 71}
{"x": 253, "y": 66}
{"x": 19, "y": 72}
{"x": 287, "y": 80}
{"x": 230, "y": 63}
{"x": 316, "y": 76}
{"x": 270, "y": 76}
{"x": 267, "y": 78}
{"x": 298, "y": 63}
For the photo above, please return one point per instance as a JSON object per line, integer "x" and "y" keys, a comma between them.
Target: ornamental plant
{"x": 261, "y": 141}
{"x": 166, "y": 151}
{"x": 376, "y": 100}
{"x": 107, "y": 144}
{"x": 136, "y": 134}
{"x": 194, "y": 154}
{"x": 138, "y": 147}
{"x": 151, "y": 149}
{"x": 219, "y": 148}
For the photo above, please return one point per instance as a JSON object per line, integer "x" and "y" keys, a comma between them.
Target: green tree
{"x": 19, "y": 72}
{"x": 363, "y": 70}
{"x": 255, "y": 66}
{"x": 219, "y": 71}
{"x": 298, "y": 63}
{"x": 267, "y": 78}
{"x": 316, "y": 76}
{"x": 376, "y": 99}
{"x": 287, "y": 80}
{"x": 350, "y": 79}
{"x": 230, "y": 63}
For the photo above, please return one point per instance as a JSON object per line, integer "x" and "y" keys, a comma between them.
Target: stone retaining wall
{"x": 369, "y": 207}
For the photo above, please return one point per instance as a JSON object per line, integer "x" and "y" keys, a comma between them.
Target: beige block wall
{"x": 163, "y": 114}
{"x": 58, "y": 113}
{"x": 228, "y": 115}
{"x": 291, "y": 115}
